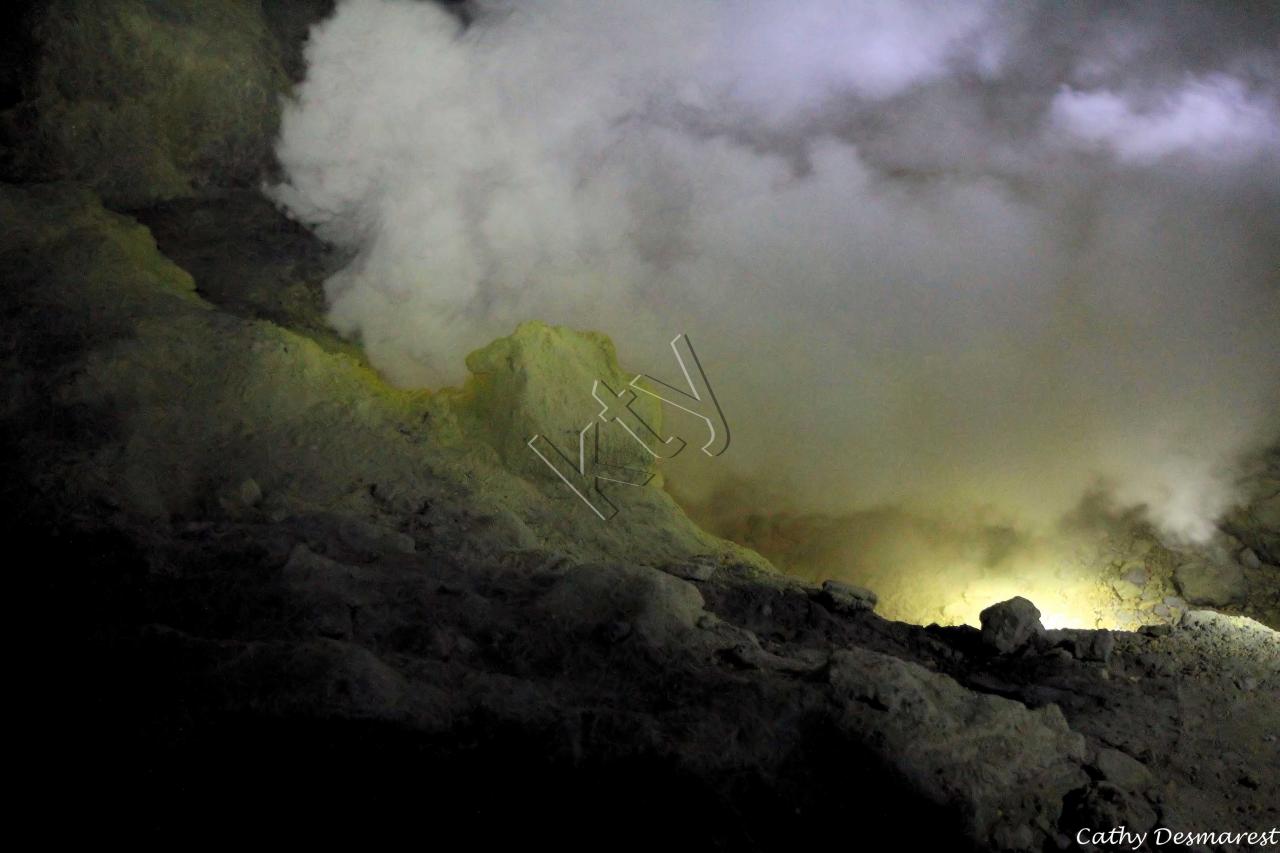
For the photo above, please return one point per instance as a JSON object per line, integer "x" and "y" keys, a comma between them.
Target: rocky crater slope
{"x": 285, "y": 595}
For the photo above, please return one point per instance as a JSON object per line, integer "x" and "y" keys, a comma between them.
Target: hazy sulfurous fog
{"x": 948, "y": 264}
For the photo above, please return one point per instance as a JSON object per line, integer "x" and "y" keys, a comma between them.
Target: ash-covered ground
{"x": 279, "y": 597}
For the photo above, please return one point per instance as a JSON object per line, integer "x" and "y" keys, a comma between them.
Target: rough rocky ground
{"x": 233, "y": 671}
{"x": 274, "y": 595}
{"x": 291, "y": 581}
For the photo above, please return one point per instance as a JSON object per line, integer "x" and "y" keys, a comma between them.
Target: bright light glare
{"x": 1064, "y": 602}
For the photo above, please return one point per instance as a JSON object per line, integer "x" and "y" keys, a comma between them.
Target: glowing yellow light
{"x": 958, "y": 598}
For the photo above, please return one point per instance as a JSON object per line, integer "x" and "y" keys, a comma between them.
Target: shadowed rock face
{"x": 150, "y": 101}
{"x": 282, "y": 594}
{"x": 289, "y": 658}
{"x": 147, "y": 101}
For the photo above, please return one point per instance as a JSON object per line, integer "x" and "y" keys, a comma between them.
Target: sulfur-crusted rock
{"x": 178, "y": 400}
{"x": 540, "y": 381}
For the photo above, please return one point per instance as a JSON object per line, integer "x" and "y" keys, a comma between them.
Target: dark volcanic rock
{"x": 1102, "y": 806}
{"x": 1007, "y": 768}
{"x": 1011, "y": 625}
{"x": 1085, "y": 645}
{"x": 1122, "y": 770}
{"x": 252, "y": 643}
{"x": 846, "y": 598}
{"x": 1212, "y": 582}
{"x": 659, "y": 609}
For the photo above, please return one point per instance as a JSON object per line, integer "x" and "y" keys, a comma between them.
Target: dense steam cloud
{"x": 971, "y": 259}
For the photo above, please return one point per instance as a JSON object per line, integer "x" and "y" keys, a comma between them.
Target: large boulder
{"x": 846, "y": 598}
{"x": 1215, "y": 583}
{"x": 1258, "y": 526}
{"x": 1122, "y": 770}
{"x": 1256, "y": 521}
{"x": 617, "y": 601}
{"x": 1005, "y": 768}
{"x": 1011, "y": 625}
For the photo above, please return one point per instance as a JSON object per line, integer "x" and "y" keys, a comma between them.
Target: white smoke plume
{"x": 950, "y": 256}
